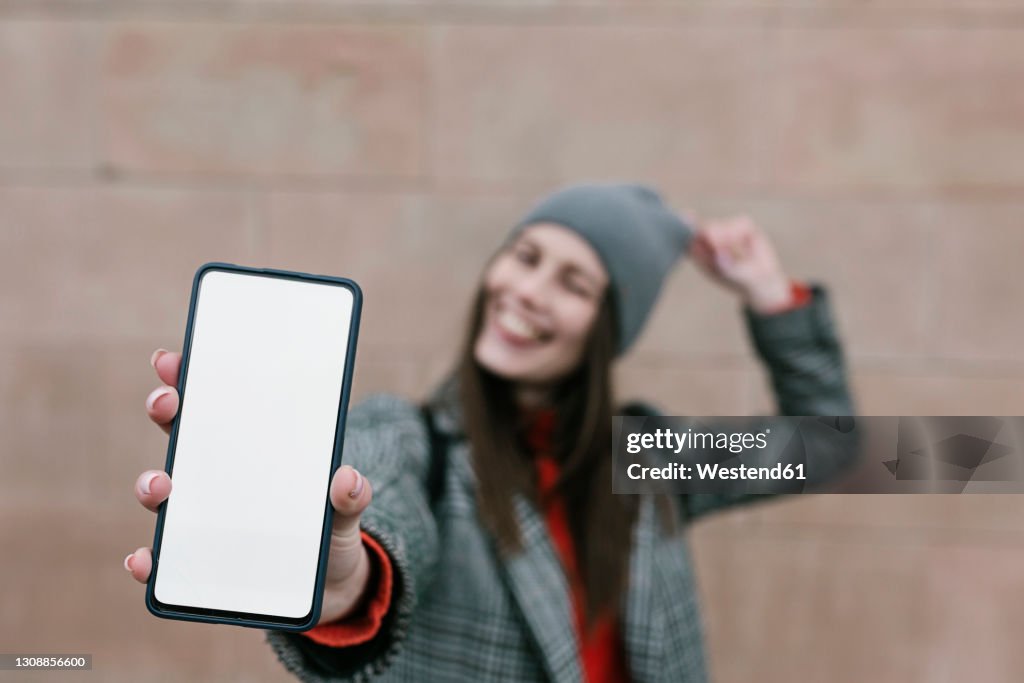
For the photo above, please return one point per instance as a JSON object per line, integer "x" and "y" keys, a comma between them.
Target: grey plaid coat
{"x": 461, "y": 612}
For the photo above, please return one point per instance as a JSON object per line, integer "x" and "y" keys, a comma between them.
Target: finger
{"x": 350, "y": 494}
{"x": 742, "y": 227}
{"x": 724, "y": 262}
{"x": 152, "y": 488}
{"x": 716, "y": 236}
{"x": 747, "y": 242}
{"x": 162, "y": 406}
{"x": 728, "y": 238}
{"x": 139, "y": 564}
{"x": 745, "y": 235}
{"x": 167, "y": 364}
{"x": 737, "y": 249}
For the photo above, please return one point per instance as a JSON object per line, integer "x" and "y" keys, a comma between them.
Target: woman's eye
{"x": 577, "y": 289}
{"x": 525, "y": 256}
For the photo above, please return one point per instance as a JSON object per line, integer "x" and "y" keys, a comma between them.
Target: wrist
{"x": 342, "y": 597}
{"x": 771, "y": 295}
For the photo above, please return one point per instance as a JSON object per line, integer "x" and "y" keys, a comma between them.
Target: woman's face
{"x": 542, "y": 295}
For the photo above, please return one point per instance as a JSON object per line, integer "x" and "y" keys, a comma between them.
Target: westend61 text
{"x": 715, "y": 472}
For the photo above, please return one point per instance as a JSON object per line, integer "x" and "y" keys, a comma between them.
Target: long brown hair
{"x": 600, "y": 523}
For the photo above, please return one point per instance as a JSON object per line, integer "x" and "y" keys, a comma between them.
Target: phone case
{"x": 240, "y": 618}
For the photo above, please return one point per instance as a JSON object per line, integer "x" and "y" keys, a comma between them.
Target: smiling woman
{"x": 476, "y": 537}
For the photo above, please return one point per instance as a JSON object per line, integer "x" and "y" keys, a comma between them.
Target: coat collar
{"x": 446, "y": 409}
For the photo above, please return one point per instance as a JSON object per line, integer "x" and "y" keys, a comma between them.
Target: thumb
{"x": 350, "y": 494}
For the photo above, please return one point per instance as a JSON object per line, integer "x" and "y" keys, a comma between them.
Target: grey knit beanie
{"x": 636, "y": 235}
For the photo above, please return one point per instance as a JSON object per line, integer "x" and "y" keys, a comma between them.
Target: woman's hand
{"x": 736, "y": 253}
{"x": 348, "y": 565}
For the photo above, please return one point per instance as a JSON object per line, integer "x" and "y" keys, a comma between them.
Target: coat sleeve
{"x": 386, "y": 440}
{"x": 804, "y": 358}
{"x": 801, "y": 351}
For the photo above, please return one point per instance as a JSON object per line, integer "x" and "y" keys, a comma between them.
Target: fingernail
{"x": 156, "y": 356}
{"x": 155, "y": 395}
{"x": 128, "y": 561}
{"x": 145, "y": 483}
{"x": 358, "y": 488}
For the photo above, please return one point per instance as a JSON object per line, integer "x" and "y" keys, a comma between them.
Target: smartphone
{"x": 264, "y": 386}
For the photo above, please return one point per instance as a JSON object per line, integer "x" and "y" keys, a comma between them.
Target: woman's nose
{"x": 531, "y": 288}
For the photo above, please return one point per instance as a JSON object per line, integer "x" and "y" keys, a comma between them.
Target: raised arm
{"x": 792, "y": 330}
{"x": 790, "y": 323}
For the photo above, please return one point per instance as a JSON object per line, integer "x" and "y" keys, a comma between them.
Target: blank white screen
{"x": 256, "y": 433}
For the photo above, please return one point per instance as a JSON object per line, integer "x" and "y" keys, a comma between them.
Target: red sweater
{"x": 602, "y": 655}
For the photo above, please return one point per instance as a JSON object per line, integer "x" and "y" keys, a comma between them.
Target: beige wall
{"x": 883, "y": 148}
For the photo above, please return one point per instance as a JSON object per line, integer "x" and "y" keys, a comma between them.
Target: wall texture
{"x": 880, "y": 144}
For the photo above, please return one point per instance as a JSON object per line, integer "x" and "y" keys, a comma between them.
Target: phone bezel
{"x": 252, "y": 620}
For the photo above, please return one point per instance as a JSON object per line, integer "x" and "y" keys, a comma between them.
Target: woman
{"x": 519, "y": 563}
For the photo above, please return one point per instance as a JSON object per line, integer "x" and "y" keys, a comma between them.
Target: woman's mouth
{"x": 517, "y": 330}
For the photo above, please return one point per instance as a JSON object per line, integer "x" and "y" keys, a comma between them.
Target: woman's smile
{"x": 515, "y": 329}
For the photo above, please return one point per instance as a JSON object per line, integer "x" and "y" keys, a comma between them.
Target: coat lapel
{"x": 542, "y": 592}
{"x": 534, "y": 575}
{"x": 642, "y": 617}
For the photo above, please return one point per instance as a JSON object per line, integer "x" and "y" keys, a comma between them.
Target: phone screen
{"x": 252, "y": 459}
